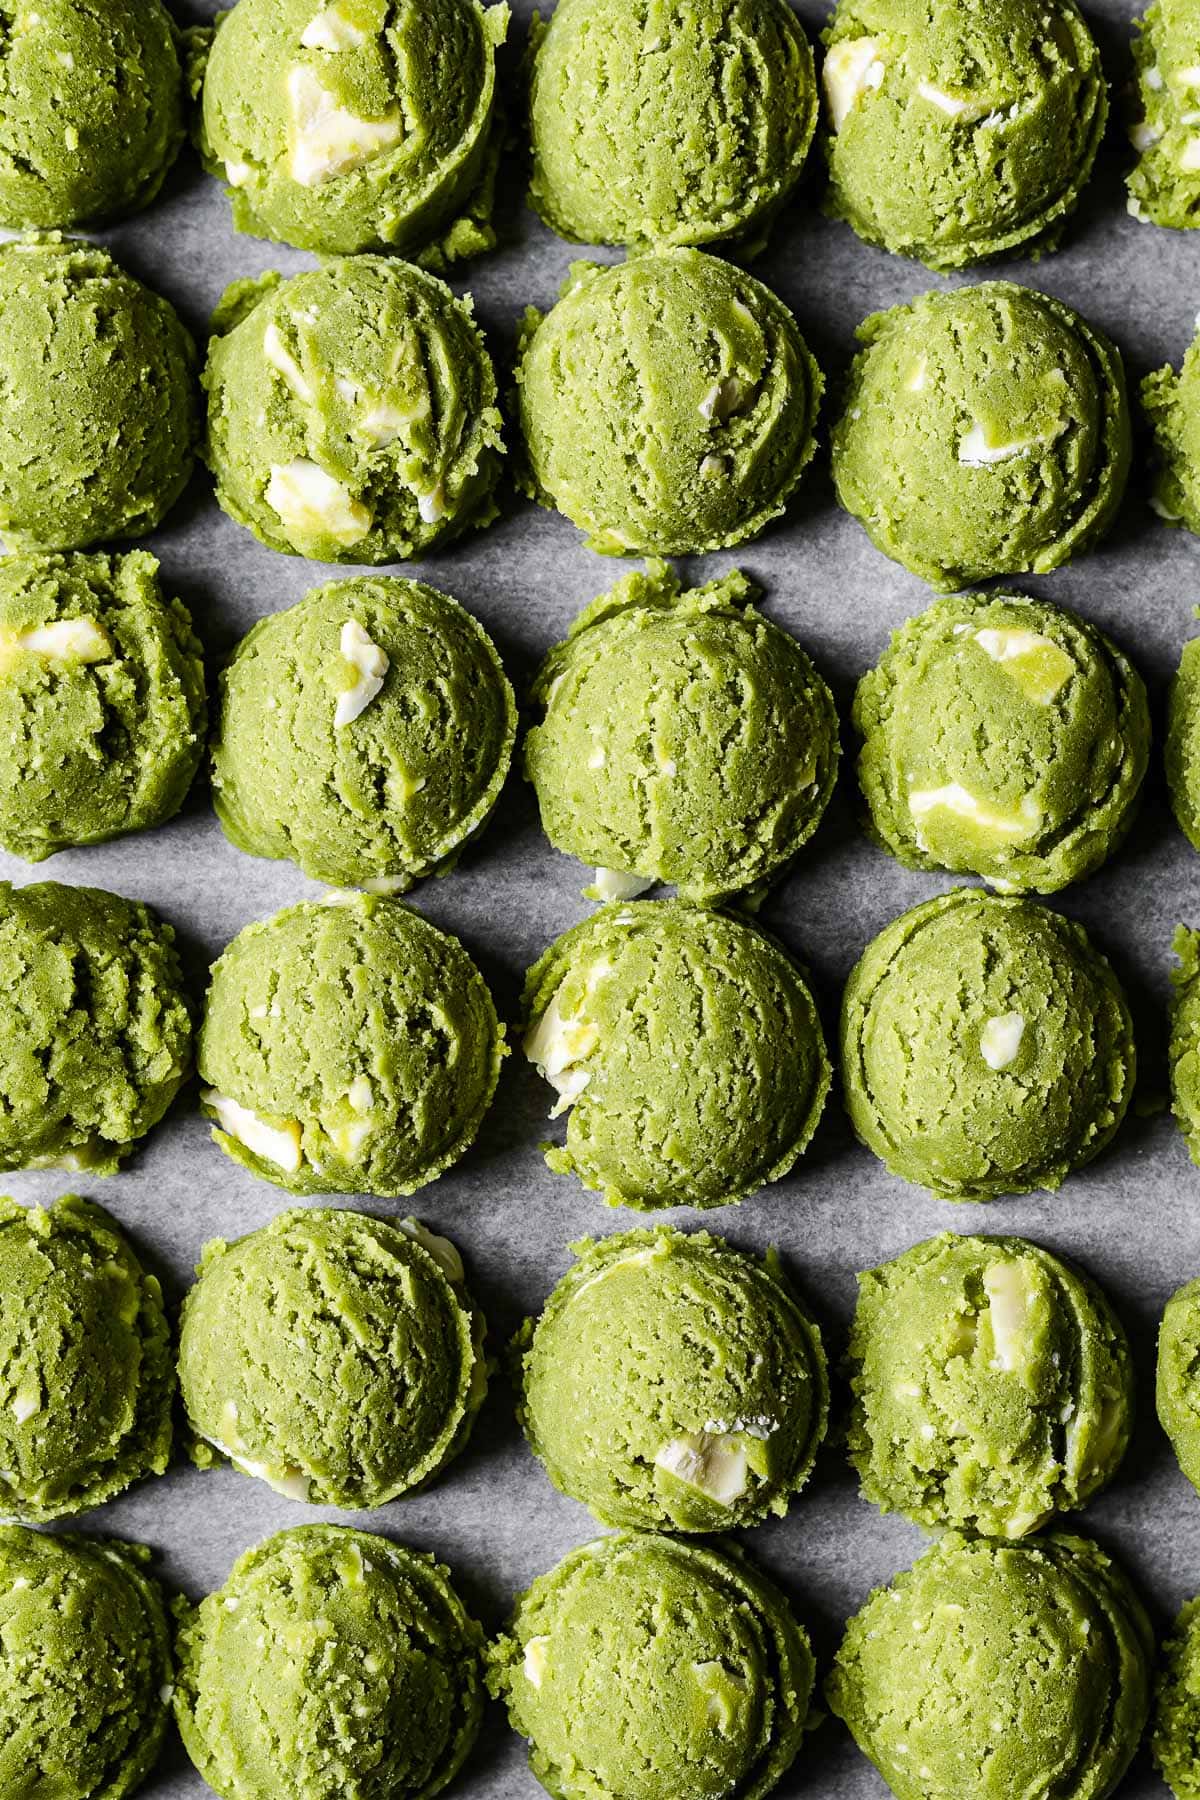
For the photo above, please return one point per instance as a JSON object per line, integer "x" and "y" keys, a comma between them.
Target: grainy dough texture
{"x": 1164, "y": 184}
{"x": 1172, "y": 403}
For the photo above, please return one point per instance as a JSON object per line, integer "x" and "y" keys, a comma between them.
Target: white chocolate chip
{"x": 1038, "y": 665}
{"x": 372, "y": 664}
{"x": 312, "y": 504}
{"x": 281, "y": 358}
{"x": 559, "y": 1044}
{"x": 432, "y": 505}
{"x": 951, "y": 104}
{"x": 328, "y": 139}
{"x": 443, "y": 1252}
{"x": 916, "y": 381}
{"x": 712, "y": 1462}
{"x": 1143, "y": 137}
{"x": 237, "y": 174}
{"x": 63, "y": 641}
{"x": 275, "y": 1143}
{"x": 1153, "y": 79}
{"x": 1000, "y": 1039}
{"x": 1189, "y": 77}
{"x": 852, "y": 68}
{"x": 332, "y": 30}
{"x": 1008, "y": 1305}
{"x": 1189, "y": 156}
{"x": 534, "y": 1663}
{"x": 955, "y": 798}
{"x": 25, "y": 1406}
{"x": 976, "y": 450}
{"x": 725, "y": 397}
{"x": 616, "y": 884}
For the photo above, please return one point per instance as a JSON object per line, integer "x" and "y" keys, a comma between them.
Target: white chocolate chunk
{"x": 25, "y": 1406}
{"x": 443, "y": 1252}
{"x": 292, "y": 1487}
{"x": 313, "y": 504}
{"x": 281, "y": 358}
{"x": 636, "y": 1259}
{"x": 63, "y": 641}
{"x": 951, "y": 104}
{"x": 715, "y": 1463}
{"x": 916, "y": 381}
{"x": 1153, "y": 79}
{"x": 1143, "y": 137}
{"x": 1038, "y": 665}
{"x": 372, "y": 664}
{"x": 851, "y": 68}
{"x": 328, "y": 139}
{"x": 382, "y": 423}
{"x": 237, "y": 174}
{"x": 432, "y": 504}
{"x": 1189, "y": 77}
{"x": 1008, "y": 1307}
{"x": 976, "y": 450}
{"x": 725, "y": 397}
{"x": 1189, "y": 156}
{"x": 534, "y": 1663}
{"x": 332, "y": 30}
{"x": 963, "y": 803}
{"x": 559, "y": 1044}
{"x": 616, "y": 884}
{"x": 275, "y": 1143}
{"x": 1000, "y": 1039}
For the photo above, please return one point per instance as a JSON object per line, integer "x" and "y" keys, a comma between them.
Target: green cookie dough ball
{"x": 683, "y": 738}
{"x": 351, "y": 412}
{"x": 1184, "y": 1049}
{"x": 99, "y": 423}
{"x": 987, "y": 1048}
{"x": 1177, "y": 1384}
{"x": 348, "y": 1046}
{"x": 1181, "y": 752}
{"x": 1172, "y": 404}
{"x": 962, "y": 129}
{"x": 989, "y": 1670}
{"x": 1176, "y": 1727}
{"x": 86, "y": 1366}
{"x": 96, "y": 1033}
{"x": 668, "y": 404}
{"x": 102, "y": 701}
{"x": 365, "y": 733}
{"x": 661, "y": 125}
{"x": 673, "y": 1383}
{"x": 686, "y": 1047}
{"x": 345, "y": 125}
{"x": 1164, "y": 184}
{"x": 332, "y": 1663}
{"x": 85, "y": 1667}
{"x": 336, "y": 1357}
{"x": 992, "y": 1384}
{"x": 985, "y": 432}
{"x": 91, "y": 110}
{"x": 1002, "y": 737}
{"x": 641, "y": 1667}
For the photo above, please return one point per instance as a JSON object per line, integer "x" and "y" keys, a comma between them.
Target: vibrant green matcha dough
{"x": 331, "y": 1664}
{"x": 962, "y": 129}
{"x": 1172, "y": 404}
{"x": 102, "y": 705}
{"x": 348, "y": 1046}
{"x": 673, "y": 1383}
{"x": 985, "y": 431}
{"x": 336, "y": 1357}
{"x": 99, "y": 421}
{"x": 1181, "y": 752}
{"x": 992, "y": 1383}
{"x": 682, "y": 738}
{"x": 655, "y": 124}
{"x": 345, "y": 125}
{"x": 351, "y": 411}
{"x": 91, "y": 109}
{"x": 989, "y": 1670}
{"x": 85, "y": 1667}
{"x": 987, "y": 1048}
{"x": 668, "y": 404}
{"x": 96, "y": 1033}
{"x": 1177, "y": 1386}
{"x": 365, "y": 733}
{"x": 1176, "y": 1728}
{"x": 1184, "y": 1049}
{"x": 86, "y": 1366}
{"x": 687, "y": 1048}
{"x": 1164, "y": 184}
{"x": 642, "y": 1667}
{"x": 1002, "y": 737}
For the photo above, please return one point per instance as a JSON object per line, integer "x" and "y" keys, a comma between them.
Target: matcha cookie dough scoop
{"x": 99, "y": 422}
{"x": 331, "y": 1663}
{"x": 1002, "y": 737}
{"x": 336, "y": 1357}
{"x": 1181, "y": 752}
{"x": 85, "y": 1667}
{"x": 1175, "y": 1730}
{"x": 348, "y": 1046}
{"x": 348, "y": 125}
{"x": 992, "y": 1384}
{"x": 1172, "y": 404}
{"x": 668, "y": 125}
{"x": 365, "y": 733}
{"x": 993, "y": 1669}
{"x": 683, "y": 738}
{"x": 351, "y": 412}
{"x": 961, "y": 130}
{"x": 673, "y": 1383}
{"x": 1177, "y": 1385}
{"x": 987, "y": 1048}
{"x": 641, "y": 1666}
{"x": 668, "y": 404}
{"x": 686, "y": 1049}
{"x": 984, "y": 432}
{"x": 96, "y": 1036}
{"x": 102, "y": 700}
{"x": 1164, "y": 184}
{"x": 1184, "y": 1046}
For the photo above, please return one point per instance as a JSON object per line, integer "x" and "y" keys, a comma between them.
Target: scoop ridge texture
{"x": 1164, "y": 183}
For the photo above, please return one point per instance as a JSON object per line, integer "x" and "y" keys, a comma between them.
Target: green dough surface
{"x": 642, "y": 1668}
{"x": 1176, "y": 1725}
{"x": 1184, "y": 1048}
{"x": 334, "y": 1356}
{"x": 1172, "y": 404}
{"x": 348, "y": 1046}
{"x": 347, "y": 125}
{"x": 1164, "y": 184}
{"x": 682, "y": 738}
{"x": 673, "y": 1383}
{"x": 1002, "y": 737}
{"x": 365, "y": 733}
{"x": 984, "y": 431}
{"x": 992, "y": 1385}
{"x": 332, "y": 1663}
{"x": 668, "y": 404}
{"x": 102, "y": 700}
{"x": 960, "y": 129}
{"x": 91, "y": 109}
{"x": 351, "y": 412}
{"x": 88, "y": 1370}
{"x": 1181, "y": 751}
{"x": 99, "y": 424}
{"x": 97, "y": 1037}
{"x": 85, "y": 1667}
{"x": 987, "y": 1048}
{"x": 668, "y": 122}
{"x": 989, "y": 1670}
{"x": 1177, "y": 1385}
{"x": 687, "y": 1048}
